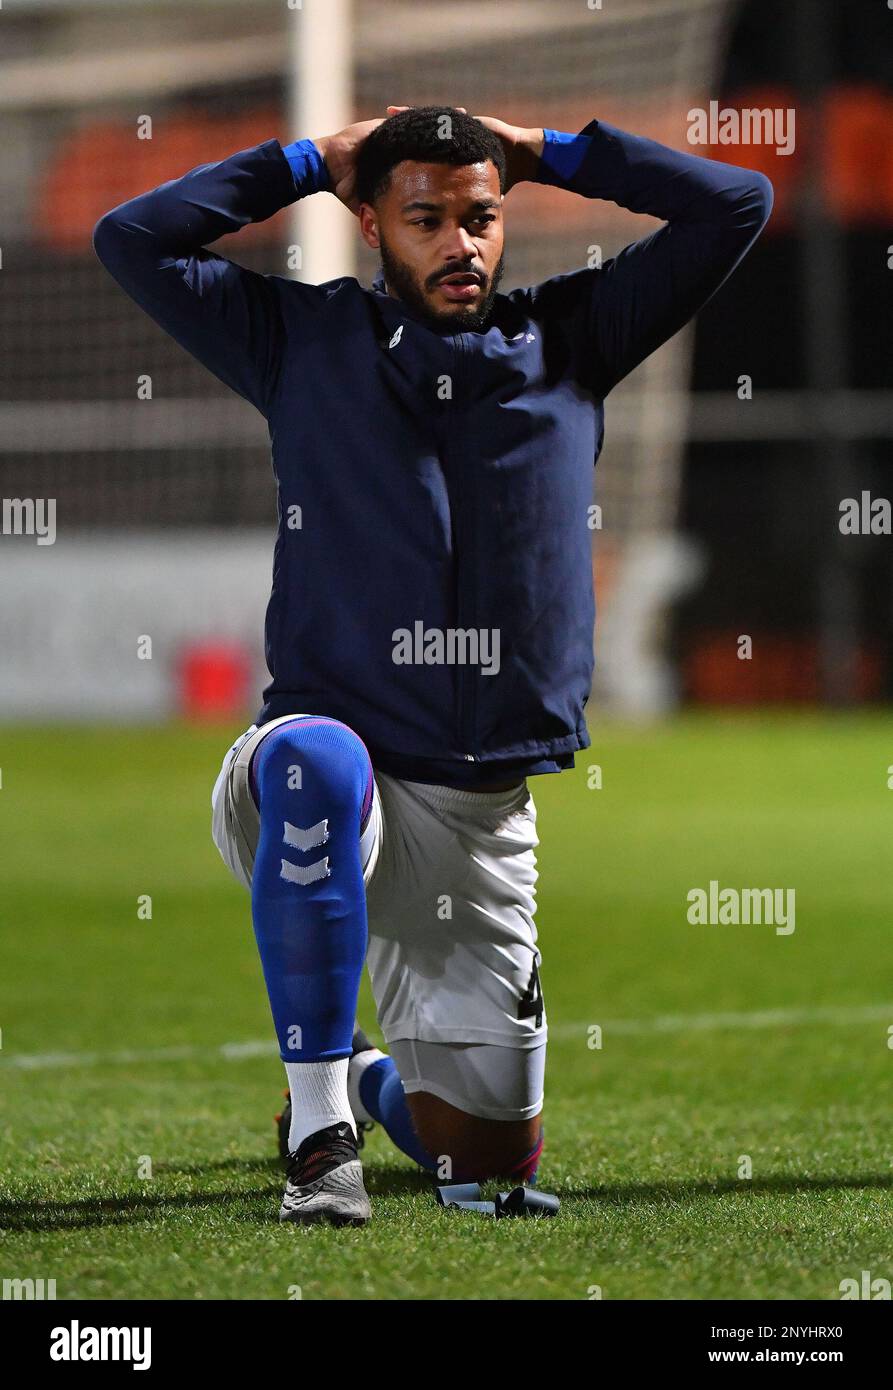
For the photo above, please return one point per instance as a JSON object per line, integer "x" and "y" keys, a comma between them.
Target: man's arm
{"x": 226, "y": 316}
{"x": 641, "y": 297}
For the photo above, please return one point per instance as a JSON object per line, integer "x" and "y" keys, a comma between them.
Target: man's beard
{"x": 402, "y": 282}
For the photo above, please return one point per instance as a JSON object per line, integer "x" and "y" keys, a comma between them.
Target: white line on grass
{"x": 839, "y": 1016}
{"x": 234, "y": 1052}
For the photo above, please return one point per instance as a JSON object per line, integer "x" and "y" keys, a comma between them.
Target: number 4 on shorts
{"x": 531, "y": 1005}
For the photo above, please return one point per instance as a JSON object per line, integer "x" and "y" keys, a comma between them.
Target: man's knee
{"x": 470, "y": 1148}
{"x": 322, "y": 758}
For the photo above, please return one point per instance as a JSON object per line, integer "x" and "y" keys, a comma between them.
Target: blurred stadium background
{"x": 720, "y": 514}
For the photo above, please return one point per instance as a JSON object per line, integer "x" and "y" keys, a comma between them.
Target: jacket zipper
{"x": 465, "y": 506}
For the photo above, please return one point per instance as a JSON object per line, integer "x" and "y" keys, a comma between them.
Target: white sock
{"x": 318, "y": 1098}
{"x": 358, "y": 1065}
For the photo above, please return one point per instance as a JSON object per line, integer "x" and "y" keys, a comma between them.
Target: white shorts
{"x": 451, "y": 894}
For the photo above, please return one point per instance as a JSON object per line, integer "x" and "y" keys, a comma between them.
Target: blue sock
{"x": 308, "y": 901}
{"x": 382, "y": 1094}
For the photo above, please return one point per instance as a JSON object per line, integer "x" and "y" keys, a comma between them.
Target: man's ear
{"x": 369, "y": 225}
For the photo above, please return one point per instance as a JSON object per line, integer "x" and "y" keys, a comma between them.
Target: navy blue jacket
{"x": 462, "y": 513}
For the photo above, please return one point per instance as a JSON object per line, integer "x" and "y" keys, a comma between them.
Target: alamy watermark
{"x": 865, "y": 516}
{"x": 29, "y": 516}
{"x": 77, "y": 1343}
{"x": 28, "y": 1289}
{"x": 720, "y": 907}
{"x": 451, "y": 646}
{"x": 715, "y": 125}
{"x": 864, "y": 1287}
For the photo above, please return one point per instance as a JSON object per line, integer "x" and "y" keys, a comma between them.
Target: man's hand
{"x": 522, "y": 146}
{"x": 340, "y": 154}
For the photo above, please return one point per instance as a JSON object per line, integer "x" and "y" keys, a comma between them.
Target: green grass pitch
{"x": 717, "y": 1041}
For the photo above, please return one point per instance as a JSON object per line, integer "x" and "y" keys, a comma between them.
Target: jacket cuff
{"x": 309, "y": 169}
{"x": 562, "y": 157}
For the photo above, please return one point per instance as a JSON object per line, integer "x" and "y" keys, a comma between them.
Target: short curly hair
{"x": 429, "y": 134}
